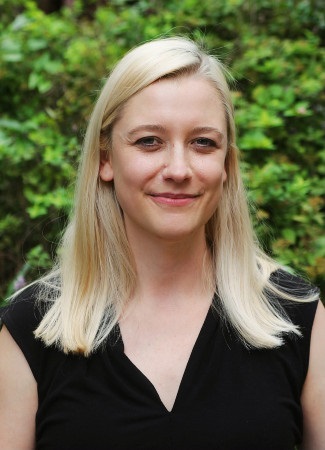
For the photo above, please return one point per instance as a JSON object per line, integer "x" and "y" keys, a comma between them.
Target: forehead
{"x": 190, "y": 98}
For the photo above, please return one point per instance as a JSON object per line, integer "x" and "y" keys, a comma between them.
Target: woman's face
{"x": 168, "y": 159}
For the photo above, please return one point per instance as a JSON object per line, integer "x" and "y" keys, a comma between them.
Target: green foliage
{"x": 50, "y": 71}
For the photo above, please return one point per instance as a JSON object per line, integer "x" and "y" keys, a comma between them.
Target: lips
{"x": 173, "y": 199}
{"x": 172, "y": 195}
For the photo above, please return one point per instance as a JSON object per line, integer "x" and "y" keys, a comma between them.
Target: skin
{"x": 167, "y": 160}
{"x": 313, "y": 395}
{"x": 169, "y": 178}
{"x": 18, "y": 397}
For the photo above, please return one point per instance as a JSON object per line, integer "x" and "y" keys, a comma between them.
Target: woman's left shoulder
{"x": 301, "y": 309}
{"x": 293, "y": 284}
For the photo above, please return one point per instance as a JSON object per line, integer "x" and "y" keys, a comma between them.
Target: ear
{"x": 105, "y": 168}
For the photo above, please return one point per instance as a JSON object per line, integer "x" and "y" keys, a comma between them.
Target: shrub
{"x": 51, "y": 69}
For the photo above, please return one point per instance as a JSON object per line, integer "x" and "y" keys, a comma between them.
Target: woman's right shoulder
{"x": 21, "y": 316}
{"x": 23, "y": 309}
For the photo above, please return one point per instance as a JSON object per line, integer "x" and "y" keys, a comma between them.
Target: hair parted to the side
{"x": 96, "y": 273}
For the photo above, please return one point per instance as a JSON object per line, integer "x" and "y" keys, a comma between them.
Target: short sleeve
{"x": 21, "y": 317}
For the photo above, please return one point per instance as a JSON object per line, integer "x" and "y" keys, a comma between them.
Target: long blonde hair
{"x": 95, "y": 274}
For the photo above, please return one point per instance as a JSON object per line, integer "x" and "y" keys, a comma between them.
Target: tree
{"x": 51, "y": 67}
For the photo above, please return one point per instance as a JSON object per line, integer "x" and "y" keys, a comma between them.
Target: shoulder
{"x": 23, "y": 312}
{"x": 296, "y": 296}
{"x": 21, "y": 317}
{"x": 292, "y": 284}
{"x": 25, "y": 303}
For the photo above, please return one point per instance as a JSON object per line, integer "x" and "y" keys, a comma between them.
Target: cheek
{"x": 137, "y": 172}
{"x": 128, "y": 180}
{"x": 213, "y": 178}
{"x": 125, "y": 171}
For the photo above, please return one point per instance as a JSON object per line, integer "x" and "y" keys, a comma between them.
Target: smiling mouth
{"x": 173, "y": 195}
{"x": 169, "y": 198}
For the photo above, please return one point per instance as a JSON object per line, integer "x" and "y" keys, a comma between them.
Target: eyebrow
{"x": 146, "y": 127}
{"x": 153, "y": 127}
{"x": 208, "y": 130}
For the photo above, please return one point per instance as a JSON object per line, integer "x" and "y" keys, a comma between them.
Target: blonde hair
{"x": 95, "y": 274}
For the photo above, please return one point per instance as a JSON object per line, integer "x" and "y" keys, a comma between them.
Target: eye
{"x": 148, "y": 142}
{"x": 204, "y": 143}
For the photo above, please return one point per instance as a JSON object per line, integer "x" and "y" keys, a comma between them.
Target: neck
{"x": 171, "y": 272}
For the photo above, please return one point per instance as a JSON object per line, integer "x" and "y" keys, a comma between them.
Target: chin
{"x": 180, "y": 234}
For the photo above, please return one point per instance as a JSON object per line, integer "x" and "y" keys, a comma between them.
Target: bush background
{"x": 52, "y": 66}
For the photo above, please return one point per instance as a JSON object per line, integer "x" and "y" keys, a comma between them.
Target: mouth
{"x": 173, "y": 199}
{"x": 173, "y": 195}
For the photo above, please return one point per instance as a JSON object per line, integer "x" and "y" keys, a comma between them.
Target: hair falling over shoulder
{"x": 87, "y": 292}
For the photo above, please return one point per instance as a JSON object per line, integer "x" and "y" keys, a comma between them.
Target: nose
{"x": 177, "y": 165}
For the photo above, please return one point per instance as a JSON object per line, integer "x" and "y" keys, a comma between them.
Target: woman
{"x": 164, "y": 325}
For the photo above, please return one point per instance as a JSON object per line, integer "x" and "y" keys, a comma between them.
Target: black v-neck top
{"x": 230, "y": 398}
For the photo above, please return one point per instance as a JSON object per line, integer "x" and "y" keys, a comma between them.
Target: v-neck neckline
{"x": 206, "y": 325}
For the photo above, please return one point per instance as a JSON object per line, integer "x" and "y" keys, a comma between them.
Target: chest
{"x": 161, "y": 350}
{"x": 228, "y": 399}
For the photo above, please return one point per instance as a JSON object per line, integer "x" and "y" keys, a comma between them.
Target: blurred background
{"x": 54, "y": 57}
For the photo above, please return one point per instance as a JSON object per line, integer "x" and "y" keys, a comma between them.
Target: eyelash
{"x": 208, "y": 142}
{"x": 143, "y": 142}
{"x": 151, "y": 142}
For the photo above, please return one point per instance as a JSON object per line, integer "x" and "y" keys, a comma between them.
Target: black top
{"x": 230, "y": 398}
